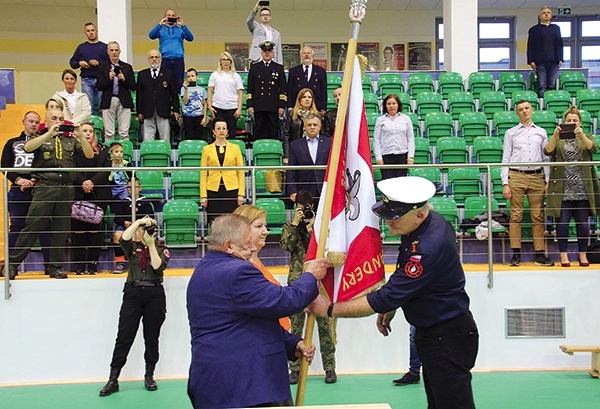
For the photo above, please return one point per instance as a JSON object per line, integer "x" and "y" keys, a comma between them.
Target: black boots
{"x": 113, "y": 384}
{"x": 149, "y": 381}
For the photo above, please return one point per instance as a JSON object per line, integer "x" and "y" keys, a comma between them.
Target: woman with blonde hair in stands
{"x": 293, "y": 127}
{"x": 573, "y": 191}
{"x": 259, "y": 232}
{"x": 226, "y": 92}
{"x": 76, "y": 104}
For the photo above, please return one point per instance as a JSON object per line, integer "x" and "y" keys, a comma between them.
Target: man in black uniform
{"x": 429, "y": 286}
{"x": 143, "y": 298}
{"x": 266, "y": 98}
{"x": 53, "y": 191}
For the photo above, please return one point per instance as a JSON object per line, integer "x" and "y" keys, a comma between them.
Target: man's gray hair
{"x": 232, "y": 227}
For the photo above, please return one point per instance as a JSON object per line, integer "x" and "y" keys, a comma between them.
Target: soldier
{"x": 266, "y": 98}
{"x": 294, "y": 238}
{"x": 52, "y": 196}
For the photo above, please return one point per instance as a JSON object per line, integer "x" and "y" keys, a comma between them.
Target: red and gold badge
{"x": 414, "y": 268}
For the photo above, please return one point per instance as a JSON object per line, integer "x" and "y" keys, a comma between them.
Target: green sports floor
{"x": 496, "y": 390}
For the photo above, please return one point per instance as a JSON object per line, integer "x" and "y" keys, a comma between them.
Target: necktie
{"x": 267, "y": 64}
{"x": 306, "y": 72}
{"x": 154, "y": 74}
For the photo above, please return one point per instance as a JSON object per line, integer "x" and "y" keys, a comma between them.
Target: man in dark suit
{"x": 266, "y": 98}
{"x": 157, "y": 98}
{"x": 233, "y": 312}
{"x": 308, "y": 75}
{"x": 116, "y": 81}
{"x": 312, "y": 150}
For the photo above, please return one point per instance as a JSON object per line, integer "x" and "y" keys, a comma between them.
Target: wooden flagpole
{"x": 357, "y": 13}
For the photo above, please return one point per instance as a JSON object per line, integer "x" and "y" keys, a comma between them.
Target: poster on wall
{"x": 338, "y": 56}
{"x": 239, "y": 52}
{"x": 419, "y": 56}
{"x": 320, "y": 50}
{"x": 7, "y": 87}
{"x": 291, "y": 55}
{"x": 371, "y": 51}
{"x": 393, "y": 57}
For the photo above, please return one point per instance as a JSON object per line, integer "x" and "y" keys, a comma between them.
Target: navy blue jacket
{"x": 429, "y": 281}
{"x": 544, "y": 44}
{"x": 307, "y": 179}
{"x": 317, "y": 84}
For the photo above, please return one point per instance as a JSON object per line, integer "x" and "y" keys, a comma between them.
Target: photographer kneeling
{"x": 295, "y": 237}
{"x": 143, "y": 298}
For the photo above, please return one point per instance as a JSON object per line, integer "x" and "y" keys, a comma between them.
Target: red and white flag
{"x": 354, "y": 238}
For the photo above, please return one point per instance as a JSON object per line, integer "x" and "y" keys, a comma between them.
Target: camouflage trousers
{"x": 326, "y": 327}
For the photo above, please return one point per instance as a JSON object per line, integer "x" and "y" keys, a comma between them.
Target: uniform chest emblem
{"x": 164, "y": 84}
{"x": 413, "y": 267}
{"x": 46, "y": 155}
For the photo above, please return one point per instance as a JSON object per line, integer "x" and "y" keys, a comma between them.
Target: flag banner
{"x": 353, "y": 241}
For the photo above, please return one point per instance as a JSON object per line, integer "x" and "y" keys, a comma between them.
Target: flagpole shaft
{"x": 328, "y": 202}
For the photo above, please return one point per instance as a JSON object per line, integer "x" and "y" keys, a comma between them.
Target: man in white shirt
{"x": 522, "y": 144}
{"x": 263, "y": 32}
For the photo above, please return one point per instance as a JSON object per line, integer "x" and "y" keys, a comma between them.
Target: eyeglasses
{"x": 225, "y": 59}
{"x": 265, "y": 15}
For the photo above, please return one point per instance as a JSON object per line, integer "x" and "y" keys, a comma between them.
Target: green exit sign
{"x": 564, "y": 10}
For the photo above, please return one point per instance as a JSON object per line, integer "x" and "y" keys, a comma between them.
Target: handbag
{"x": 274, "y": 181}
{"x": 87, "y": 212}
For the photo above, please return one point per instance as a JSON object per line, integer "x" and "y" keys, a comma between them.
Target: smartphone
{"x": 264, "y": 3}
{"x": 172, "y": 19}
{"x": 117, "y": 69}
{"x": 66, "y": 128}
{"x": 567, "y": 131}
{"x": 192, "y": 84}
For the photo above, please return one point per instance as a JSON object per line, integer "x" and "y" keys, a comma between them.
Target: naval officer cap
{"x": 266, "y": 45}
{"x": 401, "y": 195}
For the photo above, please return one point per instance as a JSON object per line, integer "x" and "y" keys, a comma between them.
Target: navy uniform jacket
{"x": 317, "y": 84}
{"x": 311, "y": 180}
{"x": 160, "y": 94}
{"x": 105, "y": 85}
{"x": 239, "y": 350}
{"x": 429, "y": 281}
{"x": 266, "y": 87}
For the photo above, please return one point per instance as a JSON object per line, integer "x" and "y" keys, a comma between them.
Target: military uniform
{"x": 143, "y": 299}
{"x": 52, "y": 198}
{"x": 266, "y": 94}
{"x": 295, "y": 240}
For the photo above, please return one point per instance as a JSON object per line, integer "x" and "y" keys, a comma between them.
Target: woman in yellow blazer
{"x": 221, "y": 191}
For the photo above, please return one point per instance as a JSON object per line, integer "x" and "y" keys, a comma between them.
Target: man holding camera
{"x": 52, "y": 195}
{"x": 262, "y": 32}
{"x": 143, "y": 299}
{"x": 116, "y": 81}
{"x": 171, "y": 31}
{"x": 294, "y": 239}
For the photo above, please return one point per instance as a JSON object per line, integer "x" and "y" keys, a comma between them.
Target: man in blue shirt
{"x": 171, "y": 31}
{"x": 88, "y": 56}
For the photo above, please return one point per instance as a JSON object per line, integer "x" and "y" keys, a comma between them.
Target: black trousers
{"x": 394, "y": 159}
{"x": 193, "y": 128}
{"x": 266, "y": 125}
{"x": 228, "y": 116}
{"x": 448, "y": 352}
{"x": 148, "y": 304}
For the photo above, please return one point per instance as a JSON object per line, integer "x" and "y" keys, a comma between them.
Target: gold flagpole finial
{"x": 358, "y": 10}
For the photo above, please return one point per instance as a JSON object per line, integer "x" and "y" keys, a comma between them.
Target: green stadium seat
{"x": 367, "y": 83}
{"x": 267, "y": 152}
{"x": 260, "y": 186}
{"x": 438, "y": 124}
{"x": 155, "y": 153}
{"x": 98, "y": 123}
{"x": 276, "y": 216}
{"x": 557, "y": 101}
{"x": 464, "y": 183}
{"x": 389, "y": 83}
{"x": 487, "y": 149}
{"x": 589, "y": 100}
{"x": 242, "y": 145}
{"x": 371, "y": 120}
{"x": 420, "y": 82}
{"x": 404, "y": 98}
{"x": 572, "y": 81}
{"x": 459, "y": 102}
{"x": 477, "y": 205}
{"x": 472, "y": 125}
{"x": 333, "y": 81}
{"x": 511, "y": 81}
{"x": 330, "y": 101}
{"x": 481, "y": 81}
{"x": 371, "y": 102}
{"x": 504, "y": 120}
{"x": 180, "y": 223}
{"x": 497, "y": 187}
{"x": 244, "y": 76}
{"x": 449, "y": 82}
{"x": 422, "y": 151}
{"x": 153, "y": 186}
{"x": 134, "y": 129}
{"x": 526, "y": 95}
{"x": 190, "y": 152}
{"x": 447, "y": 208}
{"x": 533, "y": 82}
{"x": 415, "y": 122}
{"x": 492, "y": 101}
{"x": 432, "y": 174}
{"x": 545, "y": 119}
{"x": 587, "y": 123}
{"x": 185, "y": 184}
{"x": 452, "y": 150}
{"x": 202, "y": 80}
{"x": 428, "y": 102}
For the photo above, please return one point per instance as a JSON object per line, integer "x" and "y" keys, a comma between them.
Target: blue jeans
{"x": 547, "y": 74}
{"x": 414, "y": 362}
{"x": 88, "y": 87}
{"x": 177, "y": 66}
{"x": 580, "y": 211}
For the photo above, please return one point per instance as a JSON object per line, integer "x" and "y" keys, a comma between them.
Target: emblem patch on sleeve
{"x": 414, "y": 268}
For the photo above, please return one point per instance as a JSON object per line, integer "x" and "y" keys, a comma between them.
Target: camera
{"x": 264, "y": 3}
{"x": 66, "y": 128}
{"x": 192, "y": 84}
{"x": 150, "y": 229}
{"x": 117, "y": 69}
{"x": 308, "y": 212}
{"x": 172, "y": 19}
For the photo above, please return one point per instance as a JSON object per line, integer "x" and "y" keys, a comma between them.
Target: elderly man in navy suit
{"x": 239, "y": 349}
{"x": 157, "y": 98}
{"x": 312, "y": 150}
{"x": 308, "y": 75}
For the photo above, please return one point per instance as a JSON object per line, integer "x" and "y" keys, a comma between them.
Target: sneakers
{"x": 13, "y": 272}
{"x": 58, "y": 274}
{"x": 515, "y": 261}
{"x": 120, "y": 268}
{"x": 294, "y": 375}
{"x": 330, "y": 377}
{"x": 543, "y": 261}
{"x": 92, "y": 269}
{"x": 407, "y": 379}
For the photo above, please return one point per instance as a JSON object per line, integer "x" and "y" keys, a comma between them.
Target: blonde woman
{"x": 225, "y": 92}
{"x": 294, "y": 122}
